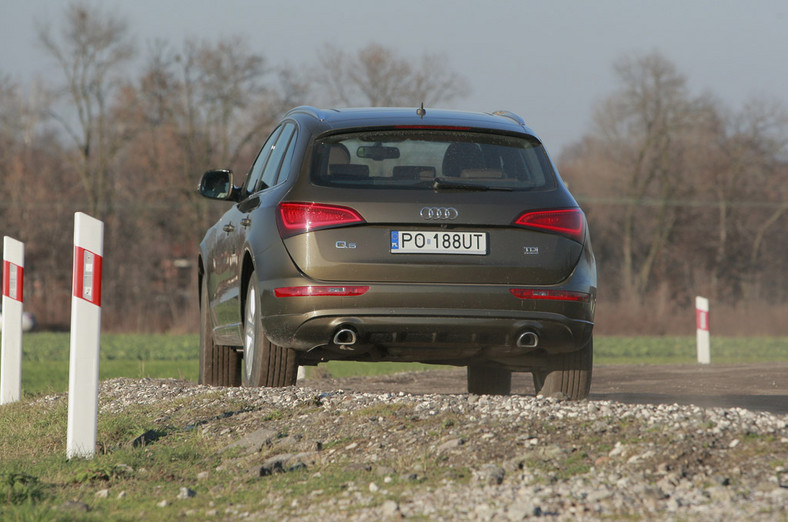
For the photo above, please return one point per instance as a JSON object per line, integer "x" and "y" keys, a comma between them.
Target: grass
{"x": 682, "y": 350}
{"x": 38, "y": 483}
{"x": 45, "y": 359}
{"x": 36, "y": 479}
{"x": 46, "y": 356}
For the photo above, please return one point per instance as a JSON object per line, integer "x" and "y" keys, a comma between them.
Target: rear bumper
{"x": 440, "y": 339}
{"x": 451, "y": 334}
{"x": 429, "y": 329}
{"x": 435, "y": 323}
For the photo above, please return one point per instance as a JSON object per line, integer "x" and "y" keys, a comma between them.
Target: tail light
{"x": 567, "y": 222}
{"x": 550, "y": 295}
{"x": 320, "y": 291}
{"x": 297, "y": 218}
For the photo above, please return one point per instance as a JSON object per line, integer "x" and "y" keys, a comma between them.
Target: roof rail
{"x": 512, "y": 116}
{"x": 308, "y": 109}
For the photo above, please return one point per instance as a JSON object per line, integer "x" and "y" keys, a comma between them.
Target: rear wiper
{"x": 445, "y": 184}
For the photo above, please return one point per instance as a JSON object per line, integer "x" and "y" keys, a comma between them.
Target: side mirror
{"x": 218, "y": 184}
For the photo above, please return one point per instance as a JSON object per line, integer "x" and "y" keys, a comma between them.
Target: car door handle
{"x": 245, "y": 222}
{"x": 228, "y": 228}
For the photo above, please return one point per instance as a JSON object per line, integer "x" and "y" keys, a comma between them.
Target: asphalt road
{"x": 762, "y": 387}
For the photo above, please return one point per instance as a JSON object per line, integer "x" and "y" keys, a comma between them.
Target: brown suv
{"x": 398, "y": 235}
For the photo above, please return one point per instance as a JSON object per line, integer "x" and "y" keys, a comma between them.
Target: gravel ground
{"x": 762, "y": 387}
{"x": 495, "y": 458}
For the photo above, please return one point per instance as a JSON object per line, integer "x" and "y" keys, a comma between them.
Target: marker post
{"x": 703, "y": 334}
{"x": 11, "y": 350}
{"x": 85, "y": 337}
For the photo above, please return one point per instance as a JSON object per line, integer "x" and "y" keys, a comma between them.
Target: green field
{"x": 45, "y": 356}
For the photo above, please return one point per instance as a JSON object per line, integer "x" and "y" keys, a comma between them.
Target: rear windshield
{"x": 424, "y": 159}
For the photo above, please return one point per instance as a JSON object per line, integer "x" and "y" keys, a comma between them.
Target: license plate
{"x": 431, "y": 242}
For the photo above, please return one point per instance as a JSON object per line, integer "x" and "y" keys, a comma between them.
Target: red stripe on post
{"x": 97, "y": 281}
{"x": 13, "y": 281}
{"x": 6, "y": 278}
{"x": 702, "y": 319}
{"x": 87, "y": 276}
{"x": 79, "y": 254}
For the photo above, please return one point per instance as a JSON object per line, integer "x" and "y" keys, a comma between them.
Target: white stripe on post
{"x": 85, "y": 337}
{"x": 13, "y": 296}
{"x": 702, "y": 324}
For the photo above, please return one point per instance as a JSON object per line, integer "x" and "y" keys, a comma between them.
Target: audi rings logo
{"x": 439, "y": 213}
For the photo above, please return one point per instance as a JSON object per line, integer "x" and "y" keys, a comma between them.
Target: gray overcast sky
{"x": 549, "y": 61}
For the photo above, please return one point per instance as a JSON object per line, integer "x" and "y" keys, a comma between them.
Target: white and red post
{"x": 702, "y": 323}
{"x": 13, "y": 290}
{"x": 85, "y": 336}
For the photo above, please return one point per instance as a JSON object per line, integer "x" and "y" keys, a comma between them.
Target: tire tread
{"x": 568, "y": 373}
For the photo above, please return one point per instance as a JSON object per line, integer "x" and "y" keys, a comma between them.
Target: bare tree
{"x": 227, "y": 79}
{"x": 377, "y": 77}
{"x": 750, "y": 189}
{"x": 90, "y": 49}
{"x": 294, "y": 87}
{"x": 31, "y": 167}
{"x": 22, "y": 131}
{"x": 641, "y": 126}
{"x": 8, "y": 115}
{"x": 682, "y": 195}
{"x": 204, "y": 105}
{"x": 198, "y": 107}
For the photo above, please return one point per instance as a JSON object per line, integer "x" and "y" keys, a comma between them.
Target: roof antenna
{"x": 420, "y": 111}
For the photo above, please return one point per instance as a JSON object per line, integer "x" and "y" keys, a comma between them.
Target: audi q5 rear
{"x": 398, "y": 235}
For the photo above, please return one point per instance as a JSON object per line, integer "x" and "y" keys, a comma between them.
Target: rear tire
{"x": 219, "y": 365}
{"x": 489, "y": 380}
{"x": 567, "y": 374}
{"x": 264, "y": 363}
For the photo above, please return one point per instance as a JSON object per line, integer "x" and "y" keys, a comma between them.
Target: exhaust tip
{"x": 528, "y": 340}
{"x": 345, "y": 337}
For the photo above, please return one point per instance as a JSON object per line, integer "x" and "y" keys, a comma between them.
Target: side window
{"x": 271, "y": 170}
{"x": 287, "y": 161}
{"x": 253, "y": 179}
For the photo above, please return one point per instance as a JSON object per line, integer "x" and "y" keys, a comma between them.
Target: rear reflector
{"x": 320, "y": 291}
{"x": 297, "y": 218}
{"x": 550, "y": 295}
{"x": 568, "y": 222}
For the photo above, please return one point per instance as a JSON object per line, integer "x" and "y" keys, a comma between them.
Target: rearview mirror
{"x": 218, "y": 184}
{"x": 378, "y": 152}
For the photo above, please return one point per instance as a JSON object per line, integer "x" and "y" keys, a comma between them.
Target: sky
{"x": 549, "y": 61}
